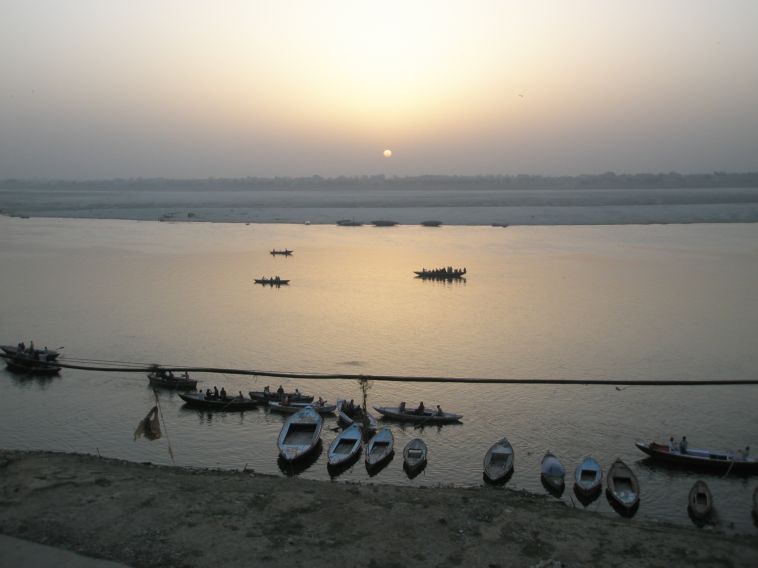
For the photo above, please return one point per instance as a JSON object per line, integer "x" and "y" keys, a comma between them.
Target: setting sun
{"x": 388, "y": 153}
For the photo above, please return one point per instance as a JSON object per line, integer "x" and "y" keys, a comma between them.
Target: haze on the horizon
{"x": 105, "y": 88}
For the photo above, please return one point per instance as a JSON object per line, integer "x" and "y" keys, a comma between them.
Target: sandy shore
{"x": 146, "y": 515}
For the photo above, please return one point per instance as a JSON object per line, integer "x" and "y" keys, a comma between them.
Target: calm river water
{"x": 629, "y": 302}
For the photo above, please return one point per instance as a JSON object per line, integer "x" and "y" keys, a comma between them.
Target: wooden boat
{"x": 552, "y": 472}
{"x": 264, "y": 397}
{"x": 414, "y": 456}
{"x": 346, "y": 446}
{"x": 41, "y": 354}
{"x": 231, "y": 404}
{"x": 283, "y": 252}
{"x": 431, "y": 223}
{"x": 300, "y": 434}
{"x": 366, "y": 420}
{"x": 623, "y": 488}
{"x": 426, "y": 417}
{"x": 380, "y": 448}
{"x": 498, "y": 461}
{"x": 700, "y": 501}
{"x": 292, "y": 407}
{"x": 169, "y": 381}
{"x": 275, "y": 281}
{"x": 23, "y": 364}
{"x": 735, "y": 462}
{"x": 588, "y": 478}
{"x": 349, "y": 223}
{"x": 448, "y": 273}
{"x": 384, "y": 223}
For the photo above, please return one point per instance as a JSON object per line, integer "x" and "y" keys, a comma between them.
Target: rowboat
{"x": 271, "y": 281}
{"x": 23, "y": 364}
{"x": 231, "y": 404}
{"x": 588, "y": 478}
{"x": 623, "y": 488}
{"x": 448, "y": 273}
{"x": 283, "y": 252}
{"x": 425, "y": 417}
{"x": 292, "y": 407}
{"x": 700, "y": 501}
{"x": 414, "y": 456}
{"x": 380, "y": 448}
{"x": 552, "y": 472}
{"x": 431, "y": 223}
{"x": 498, "y": 461}
{"x": 169, "y": 381}
{"x": 366, "y": 420}
{"x": 346, "y": 447}
{"x": 43, "y": 354}
{"x": 381, "y": 223}
{"x": 265, "y": 397}
{"x": 735, "y": 462}
{"x": 300, "y": 434}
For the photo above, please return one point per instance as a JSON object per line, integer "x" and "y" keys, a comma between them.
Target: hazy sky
{"x": 101, "y": 88}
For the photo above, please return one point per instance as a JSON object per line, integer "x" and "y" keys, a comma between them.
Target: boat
{"x": 384, "y": 223}
{"x": 448, "y": 273}
{"x": 265, "y": 396}
{"x": 700, "y": 501}
{"x": 24, "y": 364}
{"x": 44, "y": 354}
{"x": 588, "y": 478}
{"x": 292, "y": 407}
{"x": 552, "y": 472}
{"x": 346, "y": 447}
{"x": 300, "y": 434}
{"x": 283, "y": 252}
{"x": 425, "y": 417}
{"x": 414, "y": 456}
{"x": 230, "y": 404}
{"x": 380, "y": 448}
{"x": 431, "y": 223}
{"x": 498, "y": 461}
{"x": 349, "y": 223}
{"x": 623, "y": 489}
{"x": 275, "y": 281}
{"x": 346, "y": 416}
{"x": 735, "y": 462}
{"x": 167, "y": 380}
{"x": 755, "y": 504}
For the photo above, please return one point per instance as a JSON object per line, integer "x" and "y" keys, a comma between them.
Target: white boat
{"x": 300, "y": 434}
{"x": 552, "y": 472}
{"x": 414, "y": 456}
{"x": 380, "y": 448}
{"x": 498, "y": 461}
{"x": 588, "y": 478}
{"x": 345, "y": 447}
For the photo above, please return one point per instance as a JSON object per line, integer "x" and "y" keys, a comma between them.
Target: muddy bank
{"x": 146, "y": 515}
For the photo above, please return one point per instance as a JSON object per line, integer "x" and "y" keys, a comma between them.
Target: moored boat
{"x": 349, "y": 223}
{"x": 28, "y": 365}
{"x": 230, "y": 404}
{"x": 356, "y": 414}
{"x": 734, "y": 462}
{"x": 498, "y": 461}
{"x": 44, "y": 354}
{"x": 300, "y": 434}
{"x": 283, "y": 252}
{"x": 381, "y": 223}
{"x": 265, "y": 396}
{"x": 346, "y": 447}
{"x": 700, "y": 501}
{"x": 623, "y": 489}
{"x": 552, "y": 472}
{"x": 380, "y": 448}
{"x": 275, "y": 281}
{"x": 588, "y": 478}
{"x": 167, "y": 380}
{"x": 423, "y": 417}
{"x": 292, "y": 407}
{"x": 414, "y": 456}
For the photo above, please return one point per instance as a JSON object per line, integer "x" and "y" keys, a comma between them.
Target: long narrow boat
{"x": 265, "y": 396}
{"x": 300, "y": 434}
{"x": 43, "y": 354}
{"x": 231, "y": 404}
{"x": 588, "y": 478}
{"x": 169, "y": 381}
{"x": 283, "y": 252}
{"x": 623, "y": 488}
{"x": 366, "y": 420}
{"x": 425, "y": 417}
{"x": 700, "y": 501}
{"x": 346, "y": 447}
{"x": 26, "y": 365}
{"x": 380, "y": 448}
{"x": 552, "y": 472}
{"x": 414, "y": 456}
{"x": 292, "y": 407}
{"x": 703, "y": 458}
{"x": 271, "y": 281}
{"x": 498, "y": 461}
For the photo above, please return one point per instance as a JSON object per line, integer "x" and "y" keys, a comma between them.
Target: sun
{"x": 388, "y": 153}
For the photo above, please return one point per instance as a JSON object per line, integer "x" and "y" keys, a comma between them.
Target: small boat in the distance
{"x": 553, "y": 473}
{"x": 384, "y": 223}
{"x": 275, "y": 281}
{"x": 349, "y": 223}
{"x": 283, "y": 252}
{"x": 425, "y": 416}
{"x": 346, "y": 447}
{"x": 588, "y": 478}
{"x": 300, "y": 434}
{"x": 498, "y": 461}
{"x": 44, "y": 354}
{"x": 623, "y": 488}
{"x": 167, "y": 380}
{"x": 700, "y": 501}
{"x": 31, "y": 366}
{"x": 414, "y": 456}
{"x": 735, "y": 462}
{"x": 448, "y": 273}
{"x": 431, "y": 223}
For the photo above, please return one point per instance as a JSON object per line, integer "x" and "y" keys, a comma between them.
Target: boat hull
{"x": 176, "y": 383}
{"x": 414, "y": 457}
{"x": 499, "y": 461}
{"x": 346, "y": 447}
{"x": 393, "y": 413}
{"x": 380, "y": 449}
{"x": 198, "y": 400}
{"x": 623, "y": 489}
{"x": 300, "y": 435}
{"x": 700, "y": 458}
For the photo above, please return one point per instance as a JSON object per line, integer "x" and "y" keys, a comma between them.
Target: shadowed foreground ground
{"x": 146, "y": 515}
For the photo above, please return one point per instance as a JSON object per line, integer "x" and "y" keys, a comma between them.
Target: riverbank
{"x": 147, "y": 515}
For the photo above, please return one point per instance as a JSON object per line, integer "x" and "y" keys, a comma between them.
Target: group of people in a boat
{"x": 170, "y": 375}
{"x": 420, "y": 410}
{"x": 445, "y": 270}
{"x": 215, "y": 394}
{"x": 681, "y": 447}
{"x": 31, "y": 351}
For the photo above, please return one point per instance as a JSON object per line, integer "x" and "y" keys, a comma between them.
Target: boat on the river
{"x": 552, "y": 472}
{"x": 349, "y": 223}
{"x": 588, "y": 478}
{"x": 700, "y": 501}
{"x": 30, "y": 366}
{"x": 431, "y": 223}
{"x": 167, "y": 380}
{"x": 381, "y": 223}
{"x": 292, "y": 407}
{"x": 346, "y": 447}
{"x": 414, "y": 456}
{"x": 380, "y": 448}
{"x": 300, "y": 434}
{"x": 447, "y": 273}
{"x": 43, "y": 354}
{"x": 275, "y": 281}
{"x": 265, "y": 396}
{"x": 283, "y": 252}
{"x": 498, "y": 461}
{"x": 356, "y": 415}
{"x": 735, "y": 462}
{"x": 623, "y": 489}
{"x": 230, "y": 404}
{"x": 419, "y": 417}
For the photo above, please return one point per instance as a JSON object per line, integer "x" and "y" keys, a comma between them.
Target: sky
{"x": 93, "y": 89}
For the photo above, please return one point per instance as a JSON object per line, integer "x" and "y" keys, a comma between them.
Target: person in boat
{"x": 31, "y": 347}
{"x": 223, "y": 393}
{"x": 241, "y": 397}
{"x": 683, "y": 445}
{"x": 439, "y": 410}
{"x": 401, "y": 408}
{"x": 215, "y": 392}
{"x": 351, "y": 407}
{"x": 185, "y": 375}
{"x": 280, "y": 390}
{"x": 320, "y": 401}
{"x": 266, "y": 390}
{"x": 20, "y": 348}
{"x": 285, "y": 400}
{"x": 208, "y": 394}
{"x": 743, "y": 454}
{"x": 297, "y": 394}
{"x": 420, "y": 409}
{"x": 672, "y": 445}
